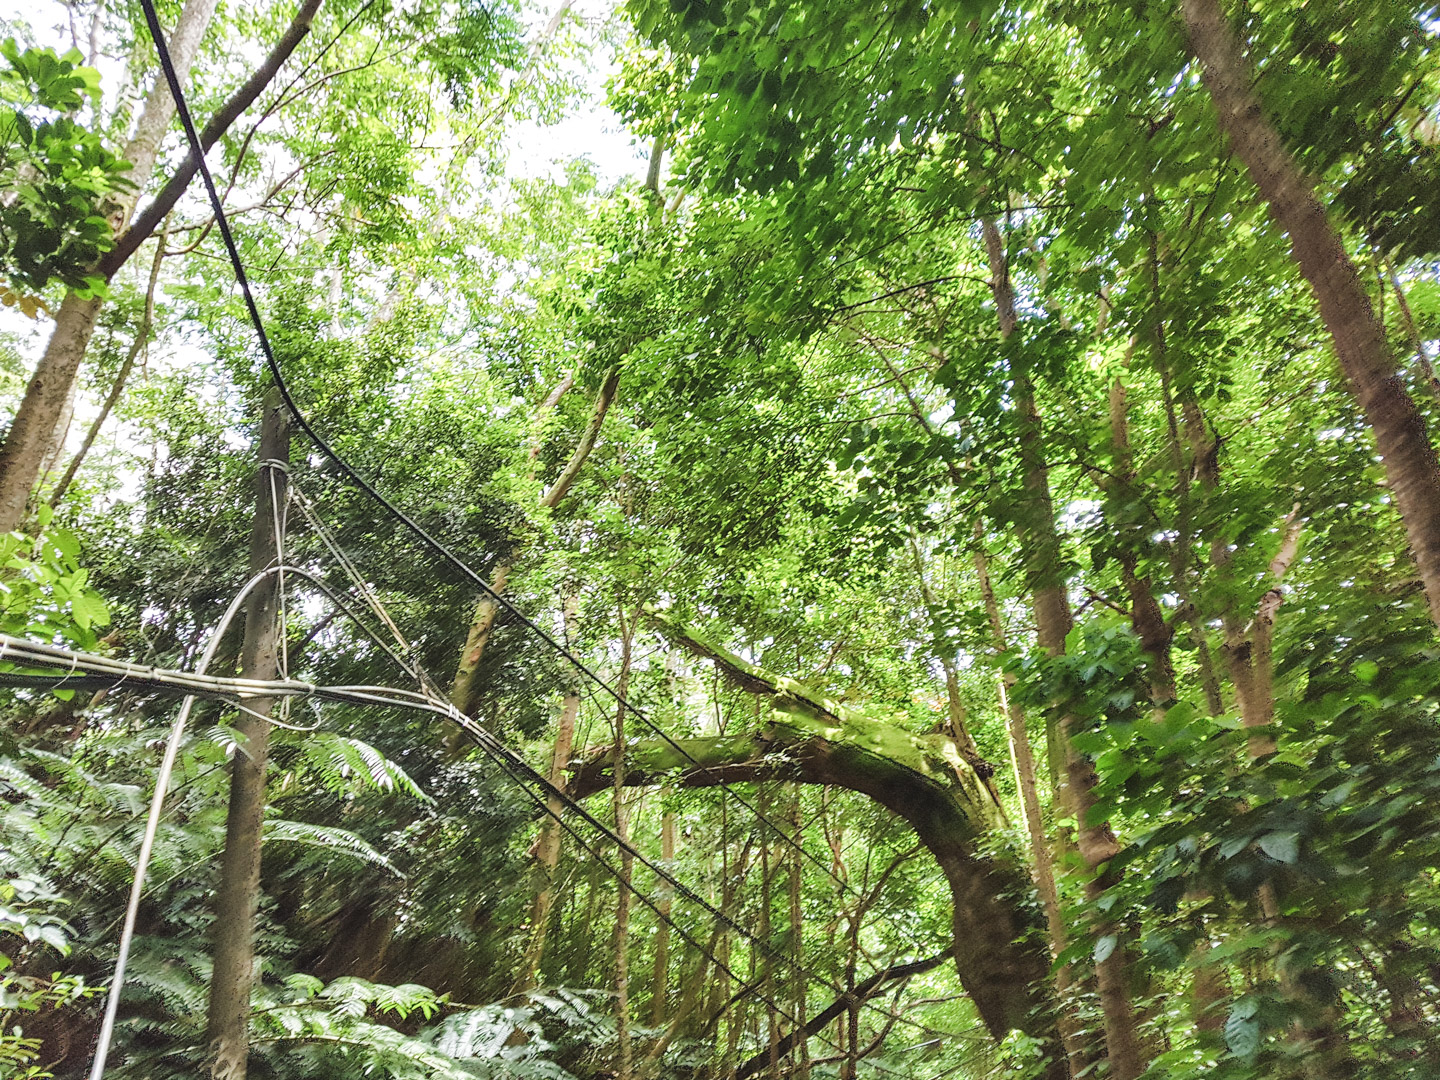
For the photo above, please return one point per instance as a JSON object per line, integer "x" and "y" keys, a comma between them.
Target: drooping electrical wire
{"x": 196, "y": 685}
{"x": 435, "y": 545}
{"x": 414, "y": 669}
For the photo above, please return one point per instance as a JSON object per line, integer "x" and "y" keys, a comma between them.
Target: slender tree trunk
{"x": 1262, "y": 637}
{"x": 1042, "y": 862}
{"x": 1422, "y": 358}
{"x": 690, "y": 998}
{"x": 1053, "y": 622}
{"x": 850, "y": 1065}
{"x": 1180, "y": 558}
{"x": 799, "y": 987}
{"x": 660, "y": 977}
{"x": 767, "y": 977}
{"x": 1411, "y": 470}
{"x": 237, "y": 895}
{"x": 957, "y": 728}
{"x": 547, "y": 844}
{"x": 142, "y": 338}
{"x": 464, "y": 692}
{"x": 622, "y": 830}
{"x": 1146, "y": 617}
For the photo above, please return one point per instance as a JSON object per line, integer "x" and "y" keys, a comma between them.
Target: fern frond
{"x": 341, "y": 841}
{"x": 342, "y": 761}
{"x": 16, "y": 778}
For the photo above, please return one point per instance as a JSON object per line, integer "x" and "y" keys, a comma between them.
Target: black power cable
{"x": 440, "y": 549}
{"x": 182, "y": 110}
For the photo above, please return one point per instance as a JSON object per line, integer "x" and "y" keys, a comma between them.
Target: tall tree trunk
{"x": 464, "y": 692}
{"x": 799, "y": 988}
{"x": 1411, "y": 471}
{"x": 955, "y": 706}
{"x": 767, "y": 977}
{"x": 660, "y": 976}
{"x": 28, "y": 442}
{"x": 1042, "y": 862}
{"x": 622, "y": 830}
{"x": 142, "y": 338}
{"x": 1053, "y": 622}
{"x": 1180, "y": 555}
{"x": 1146, "y": 617}
{"x": 547, "y": 844}
{"x": 238, "y": 893}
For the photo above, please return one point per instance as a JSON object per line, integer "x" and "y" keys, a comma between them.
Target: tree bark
{"x": 763, "y": 932}
{"x": 464, "y": 692}
{"x": 1411, "y": 471}
{"x": 1053, "y": 622}
{"x": 800, "y": 989}
{"x": 142, "y": 338}
{"x": 810, "y": 740}
{"x": 1042, "y": 861}
{"x": 627, "y": 861}
{"x": 28, "y": 442}
{"x": 660, "y": 975}
{"x": 1146, "y": 617}
{"x": 547, "y": 844}
{"x": 238, "y": 893}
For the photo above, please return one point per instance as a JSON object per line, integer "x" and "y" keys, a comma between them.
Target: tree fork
{"x": 27, "y": 444}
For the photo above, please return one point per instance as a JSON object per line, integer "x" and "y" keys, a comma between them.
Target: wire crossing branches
{"x": 925, "y": 781}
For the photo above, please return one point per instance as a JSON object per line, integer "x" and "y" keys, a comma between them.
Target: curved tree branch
{"x": 923, "y": 779}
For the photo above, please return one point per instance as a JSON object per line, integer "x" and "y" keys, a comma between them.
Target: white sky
{"x": 592, "y": 130}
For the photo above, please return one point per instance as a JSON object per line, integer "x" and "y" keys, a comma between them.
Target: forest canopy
{"x": 723, "y": 539}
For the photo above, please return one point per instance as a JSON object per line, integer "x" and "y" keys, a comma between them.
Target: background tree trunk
{"x": 660, "y": 978}
{"x": 547, "y": 844}
{"x": 622, "y": 830}
{"x": 464, "y": 693}
{"x": 1053, "y": 622}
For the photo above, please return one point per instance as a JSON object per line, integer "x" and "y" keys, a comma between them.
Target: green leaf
{"x": 1105, "y": 947}
{"x": 1242, "y": 1029}
{"x": 1281, "y": 846}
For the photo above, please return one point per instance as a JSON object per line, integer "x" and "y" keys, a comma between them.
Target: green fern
{"x": 343, "y": 763}
{"x": 340, "y": 841}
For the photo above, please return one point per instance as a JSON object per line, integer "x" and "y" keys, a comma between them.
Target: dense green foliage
{"x": 951, "y": 368}
{"x": 57, "y": 175}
